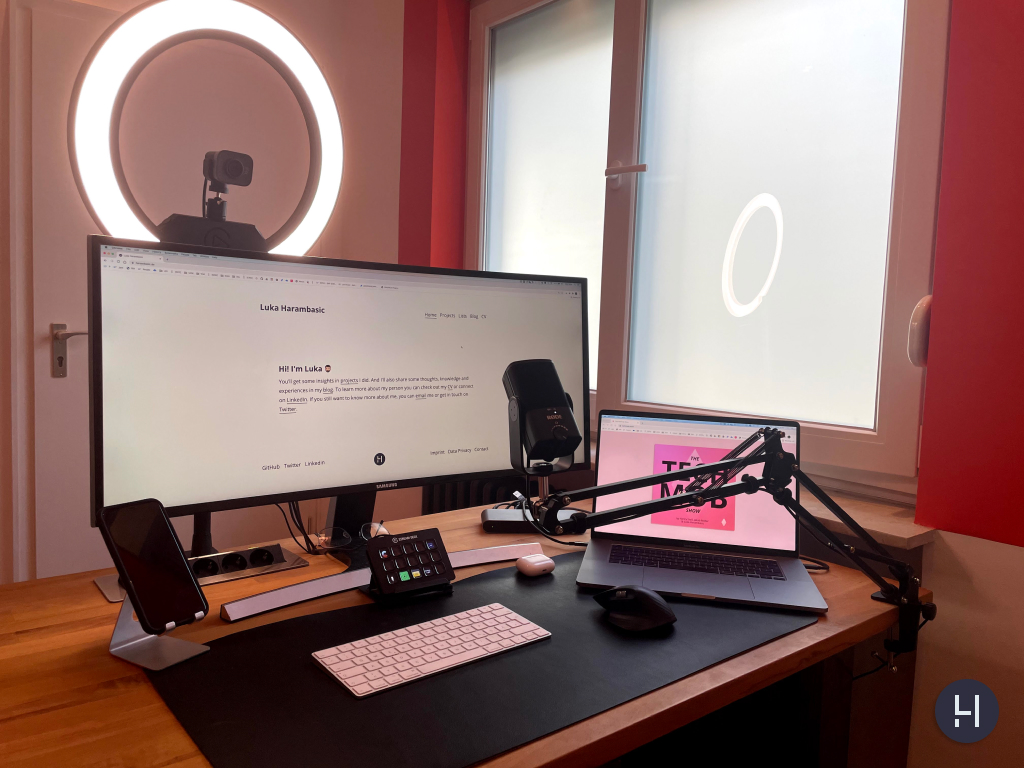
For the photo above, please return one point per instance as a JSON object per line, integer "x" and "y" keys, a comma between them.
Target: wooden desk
{"x": 65, "y": 701}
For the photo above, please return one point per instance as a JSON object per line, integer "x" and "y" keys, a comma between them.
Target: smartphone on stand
{"x": 152, "y": 565}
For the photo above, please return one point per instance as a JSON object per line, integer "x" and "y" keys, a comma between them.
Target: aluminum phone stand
{"x": 132, "y": 643}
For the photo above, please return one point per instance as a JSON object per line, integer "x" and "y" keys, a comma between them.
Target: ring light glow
{"x": 151, "y": 25}
{"x": 764, "y": 200}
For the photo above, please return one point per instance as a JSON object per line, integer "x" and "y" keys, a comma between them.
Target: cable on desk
{"x": 815, "y": 564}
{"x": 822, "y": 566}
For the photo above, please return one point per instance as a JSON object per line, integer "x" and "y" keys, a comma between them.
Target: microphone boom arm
{"x": 780, "y": 469}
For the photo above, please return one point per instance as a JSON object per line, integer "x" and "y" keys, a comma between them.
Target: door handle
{"x": 615, "y": 173}
{"x": 917, "y": 335}
{"x": 59, "y": 335}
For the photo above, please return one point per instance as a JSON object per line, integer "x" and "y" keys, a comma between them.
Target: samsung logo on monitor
{"x": 382, "y": 486}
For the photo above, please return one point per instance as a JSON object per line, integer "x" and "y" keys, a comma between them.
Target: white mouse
{"x": 535, "y": 565}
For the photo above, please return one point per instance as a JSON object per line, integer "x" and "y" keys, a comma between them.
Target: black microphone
{"x": 541, "y": 421}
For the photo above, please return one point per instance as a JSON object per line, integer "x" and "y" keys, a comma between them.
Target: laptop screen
{"x": 631, "y": 446}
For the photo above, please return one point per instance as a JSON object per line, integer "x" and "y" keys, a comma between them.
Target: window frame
{"x": 884, "y": 456}
{"x": 484, "y": 16}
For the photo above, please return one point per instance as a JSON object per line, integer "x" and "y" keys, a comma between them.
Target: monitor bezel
{"x": 96, "y": 242}
{"x": 597, "y": 533}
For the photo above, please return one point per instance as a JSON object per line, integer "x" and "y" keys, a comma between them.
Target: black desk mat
{"x": 258, "y": 699}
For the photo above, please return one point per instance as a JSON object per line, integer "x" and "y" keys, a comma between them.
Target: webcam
{"x": 219, "y": 170}
{"x": 227, "y": 167}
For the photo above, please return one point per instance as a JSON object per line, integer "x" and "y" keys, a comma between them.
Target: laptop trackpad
{"x": 693, "y": 583}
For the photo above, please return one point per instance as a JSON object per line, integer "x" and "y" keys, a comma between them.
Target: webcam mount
{"x": 220, "y": 170}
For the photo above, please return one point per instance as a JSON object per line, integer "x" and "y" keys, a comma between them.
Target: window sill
{"x": 891, "y": 524}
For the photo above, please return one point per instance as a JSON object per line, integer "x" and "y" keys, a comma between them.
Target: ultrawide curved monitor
{"x": 223, "y": 379}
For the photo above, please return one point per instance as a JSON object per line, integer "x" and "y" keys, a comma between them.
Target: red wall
{"x": 972, "y": 449}
{"x": 432, "y": 186}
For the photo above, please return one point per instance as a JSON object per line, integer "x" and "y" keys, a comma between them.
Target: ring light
{"x": 764, "y": 200}
{"x": 134, "y": 40}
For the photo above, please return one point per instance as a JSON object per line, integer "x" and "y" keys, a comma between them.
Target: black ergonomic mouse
{"x": 635, "y": 609}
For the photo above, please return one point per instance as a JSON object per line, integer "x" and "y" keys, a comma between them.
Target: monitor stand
{"x": 202, "y": 535}
{"x": 352, "y": 511}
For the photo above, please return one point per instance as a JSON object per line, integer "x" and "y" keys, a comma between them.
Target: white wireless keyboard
{"x": 377, "y": 663}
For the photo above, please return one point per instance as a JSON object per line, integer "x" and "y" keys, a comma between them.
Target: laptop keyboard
{"x": 702, "y": 562}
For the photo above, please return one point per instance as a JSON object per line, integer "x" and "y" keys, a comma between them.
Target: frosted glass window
{"x": 548, "y": 146}
{"x": 780, "y": 114}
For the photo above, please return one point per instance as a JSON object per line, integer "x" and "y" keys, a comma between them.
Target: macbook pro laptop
{"x": 742, "y": 550}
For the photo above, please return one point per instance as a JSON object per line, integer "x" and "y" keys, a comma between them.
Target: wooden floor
{"x": 65, "y": 701}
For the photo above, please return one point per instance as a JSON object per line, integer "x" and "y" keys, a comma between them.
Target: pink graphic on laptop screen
{"x": 717, "y": 515}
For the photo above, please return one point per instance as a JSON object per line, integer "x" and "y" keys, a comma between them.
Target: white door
{"x": 49, "y": 42}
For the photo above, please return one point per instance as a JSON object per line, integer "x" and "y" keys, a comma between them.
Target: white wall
{"x": 979, "y": 634}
